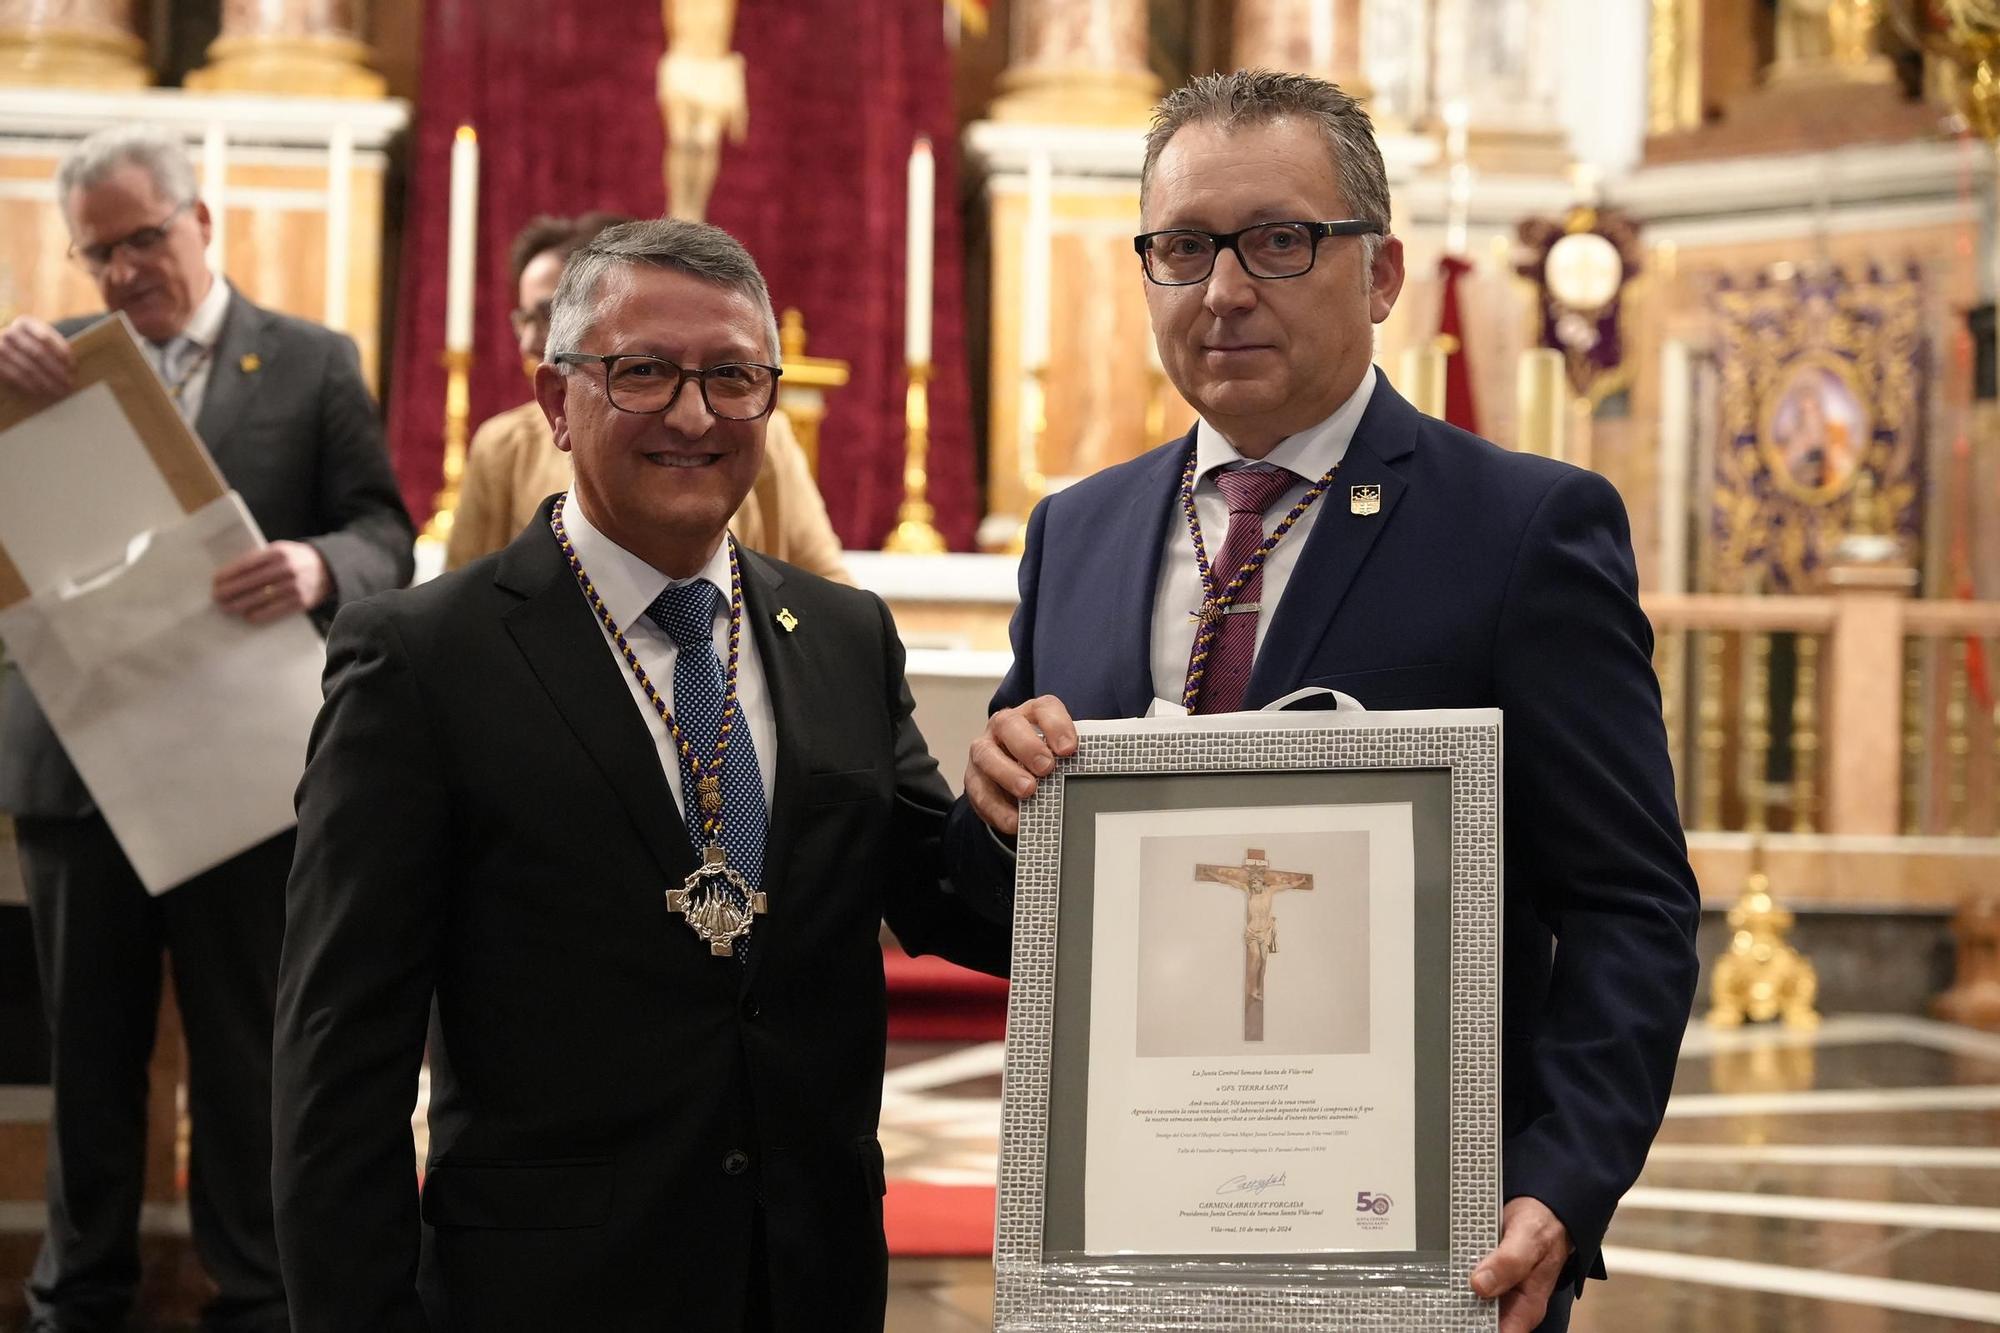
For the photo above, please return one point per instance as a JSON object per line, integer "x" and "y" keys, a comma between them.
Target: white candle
{"x": 1457, "y": 127}
{"x": 1458, "y": 213}
{"x": 1035, "y": 262}
{"x": 917, "y": 314}
{"x": 464, "y": 241}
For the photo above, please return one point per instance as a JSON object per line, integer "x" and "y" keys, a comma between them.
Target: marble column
{"x": 1078, "y": 62}
{"x": 72, "y": 44}
{"x": 1321, "y": 37}
{"x": 311, "y": 47}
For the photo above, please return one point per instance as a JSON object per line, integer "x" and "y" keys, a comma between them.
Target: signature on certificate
{"x": 1250, "y": 1184}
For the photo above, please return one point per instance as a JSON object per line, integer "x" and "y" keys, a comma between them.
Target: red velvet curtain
{"x": 562, "y": 95}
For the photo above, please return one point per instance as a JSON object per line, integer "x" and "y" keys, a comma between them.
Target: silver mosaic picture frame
{"x": 1034, "y": 1292}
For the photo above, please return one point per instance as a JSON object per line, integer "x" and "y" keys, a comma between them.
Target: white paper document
{"x": 189, "y": 726}
{"x": 1252, "y": 1032}
{"x": 75, "y": 483}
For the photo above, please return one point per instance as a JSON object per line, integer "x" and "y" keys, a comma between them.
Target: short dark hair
{"x": 547, "y": 233}
{"x": 1259, "y": 96}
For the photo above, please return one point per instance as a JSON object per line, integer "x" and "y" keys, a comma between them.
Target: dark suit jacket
{"x": 1488, "y": 579}
{"x": 484, "y": 815}
{"x": 299, "y": 439}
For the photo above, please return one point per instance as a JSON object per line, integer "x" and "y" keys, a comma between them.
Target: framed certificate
{"x": 1252, "y": 1075}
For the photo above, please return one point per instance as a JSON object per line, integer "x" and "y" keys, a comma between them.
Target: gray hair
{"x": 160, "y": 154}
{"x": 693, "y": 248}
{"x": 1259, "y": 96}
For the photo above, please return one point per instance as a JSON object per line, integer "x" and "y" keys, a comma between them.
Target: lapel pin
{"x": 786, "y": 619}
{"x": 1364, "y": 500}
{"x": 251, "y": 363}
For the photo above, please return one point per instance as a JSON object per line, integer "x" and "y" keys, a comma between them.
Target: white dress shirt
{"x": 1179, "y": 594}
{"x": 194, "y": 346}
{"x": 628, "y": 585}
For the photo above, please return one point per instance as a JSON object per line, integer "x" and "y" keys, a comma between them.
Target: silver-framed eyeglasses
{"x": 649, "y": 385}
{"x": 1184, "y": 256}
{"x": 139, "y": 244}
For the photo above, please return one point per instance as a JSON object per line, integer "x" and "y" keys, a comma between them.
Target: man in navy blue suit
{"x": 1315, "y": 529}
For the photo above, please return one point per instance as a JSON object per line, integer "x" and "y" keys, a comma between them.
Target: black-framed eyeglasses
{"x": 648, "y": 385}
{"x": 536, "y": 316}
{"x": 139, "y": 244}
{"x": 1184, "y": 256}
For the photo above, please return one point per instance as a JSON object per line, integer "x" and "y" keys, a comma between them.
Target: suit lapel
{"x": 1150, "y": 509}
{"x": 788, "y": 662}
{"x": 231, "y": 387}
{"x": 557, "y": 632}
{"x": 1337, "y": 546}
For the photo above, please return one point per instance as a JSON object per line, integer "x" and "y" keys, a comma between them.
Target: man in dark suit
{"x": 632, "y": 803}
{"x": 282, "y": 407}
{"x": 1315, "y": 529}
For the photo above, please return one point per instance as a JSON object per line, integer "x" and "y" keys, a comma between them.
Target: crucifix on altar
{"x": 1261, "y": 885}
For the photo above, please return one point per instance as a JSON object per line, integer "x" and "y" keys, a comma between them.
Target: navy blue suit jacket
{"x": 1488, "y": 579}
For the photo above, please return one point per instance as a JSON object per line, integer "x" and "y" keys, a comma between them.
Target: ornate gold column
{"x": 1320, "y": 37}
{"x": 1673, "y": 67}
{"x": 72, "y": 44}
{"x": 1078, "y": 62}
{"x": 312, "y": 47}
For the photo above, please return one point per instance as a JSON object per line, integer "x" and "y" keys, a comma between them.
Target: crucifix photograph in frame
{"x": 1253, "y": 1047}
{"x": 1210, "y": 970}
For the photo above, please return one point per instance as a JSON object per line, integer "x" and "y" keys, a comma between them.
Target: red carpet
{"x": 938, "y": 1221}
{"x": 932, "y": 1000}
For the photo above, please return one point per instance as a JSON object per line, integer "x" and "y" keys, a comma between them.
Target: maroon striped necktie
{"x": 1250, "y": 492}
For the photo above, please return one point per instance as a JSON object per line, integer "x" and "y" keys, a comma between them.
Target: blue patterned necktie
{"x": 686, "y": 612}
{"x": 178, "y": 364}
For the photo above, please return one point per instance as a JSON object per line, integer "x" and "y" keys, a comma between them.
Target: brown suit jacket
{"x": 513, "y": 465}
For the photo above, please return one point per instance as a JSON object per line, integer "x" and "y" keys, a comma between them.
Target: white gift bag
{"x": 189, "y": 726}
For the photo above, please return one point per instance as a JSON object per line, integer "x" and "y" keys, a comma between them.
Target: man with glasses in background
{"x": 284, "y": 412}
{"x": 1314, "y": 529}
{"x": 513, "y": 463}
{"x": 632, "y": 801}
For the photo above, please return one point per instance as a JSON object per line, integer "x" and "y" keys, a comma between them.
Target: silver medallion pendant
{"x": 712, "y": 911}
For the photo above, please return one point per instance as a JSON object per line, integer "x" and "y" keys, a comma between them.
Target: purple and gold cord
{"x": 711, "y": 820}
{"x": 1214, "y": 603}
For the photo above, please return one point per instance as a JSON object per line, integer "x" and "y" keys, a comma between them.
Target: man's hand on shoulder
{"x": 1019, "y": 747}
{"x": 35, "y": 359}
{"x": 1522, "y": 1269}
{"x": 281, "y": 580}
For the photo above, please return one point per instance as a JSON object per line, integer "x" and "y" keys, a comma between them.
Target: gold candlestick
{"x": 914, "y": 533}
{"x": 1762, "y": 976}
{"x": 1035, "y": 428}
{"x": 457, "y": 430}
